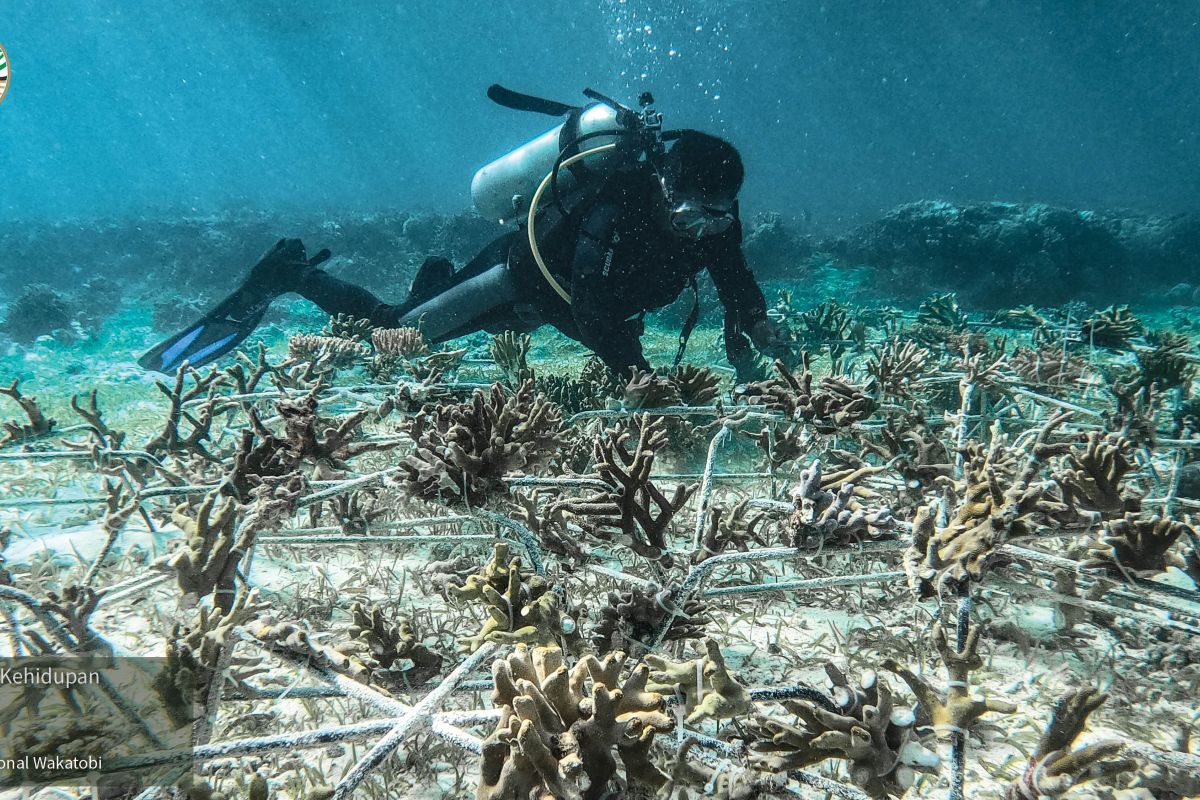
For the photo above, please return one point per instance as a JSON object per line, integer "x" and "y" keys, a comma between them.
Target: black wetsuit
{"x": 613, "y": 257}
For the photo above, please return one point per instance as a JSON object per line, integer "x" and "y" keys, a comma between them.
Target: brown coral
{"x": 463, "y": 451}
{"x": 958, "y": 712}
{"x": 861, "y": 726}
{"x": 37, "y": 425}
{"x": 559, "y": 728}
{"x": 521, "y": 607}
{"x": 632, "y": 510}
{"x": 1092, "y": 483}
{"x": 835, "y": 403}
{"x": 1133, "y": 547}
{"x": 1113, "y": 327}
{"x": 1054, "y": 768}
{"x": 632, "y": 618}
{"x": 708, "y": 689}
{"x": 727, "y": 528}
{"x": 393, "y": 653}
{"x": 840, "y": 517}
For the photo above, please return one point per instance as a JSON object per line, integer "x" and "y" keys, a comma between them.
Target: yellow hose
{"x": 533, "y": 207}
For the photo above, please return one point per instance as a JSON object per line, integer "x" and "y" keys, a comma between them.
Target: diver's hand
{"x": 283, "y": 267}
{"x": 768, "y": 336}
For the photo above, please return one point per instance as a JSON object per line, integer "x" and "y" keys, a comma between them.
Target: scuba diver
{"x": 627, "y": 231}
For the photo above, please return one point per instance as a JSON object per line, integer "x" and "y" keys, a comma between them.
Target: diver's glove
{"x": 769, "y": 337}
{"x": 283, "y": 268}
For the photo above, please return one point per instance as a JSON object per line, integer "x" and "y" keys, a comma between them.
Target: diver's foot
{"x": 283, "y": 268}
{"x": 433, "y": 277}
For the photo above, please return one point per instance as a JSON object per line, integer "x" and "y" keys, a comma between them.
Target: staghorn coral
{"x": 75, "y": 605}
{"x": 463, "y": 451}
{"x": 393, "y": 653}
{"x": 215, "y": 542}
{"x": 1113, "y": 327}
{"x": 648, "y": 389}
{"x": 708, "y": 689}
{"x": 1091, "y": 481}
{"x": 630, "y": 619}
{"x": 356, "y": 511}
{"x": 822, "y": 515}
{"x": 907, "y": 445}
{"x": 633, "y": 510}
{"x": 860, "y": 725}
{"x": 697, "y": 386}
{"x": 781, "y": 446}
{"x": 521, "y": 607}
{"x": 172, "y": 440}
{"x": 570, "y": 394}
{"x": 346, "y": 326}
{"x": 725, "y": 782}
{"x": 1131, "y": 547}
{"x": 326, "y": 352}
{"x": 942, "y": 311}
{"x": 558, "y": 729}
{"x": 328, "y": 445}
{"x": 510, "y": 351}
{"x": 38, "y": 425}
{"x": 1166, "y": 364}
{"x": 730, "y": 528}
{"x": 293, "y": 638}
{"x": 404, "y": 343}
{"x": 833, "y": 404}
{"x": 895, "y": 365}
{"x": 195, "y": 653}
{"x": 1054, "y": 768}
{"x": 988, "y": 514}
{"x": 958, "y": 712}
{"x": 548, "y": 523}
{"x": 1049, "y": 364}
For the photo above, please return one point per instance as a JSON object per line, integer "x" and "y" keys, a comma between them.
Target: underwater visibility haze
{"x": 606, "y": 399}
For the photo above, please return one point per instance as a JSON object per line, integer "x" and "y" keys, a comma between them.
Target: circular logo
{"x": 3, "y": 72}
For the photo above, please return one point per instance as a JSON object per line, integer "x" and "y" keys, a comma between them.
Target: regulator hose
{"x": 533, "y": 207}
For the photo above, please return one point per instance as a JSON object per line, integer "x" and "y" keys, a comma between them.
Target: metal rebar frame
{"x": 399, "y": 721}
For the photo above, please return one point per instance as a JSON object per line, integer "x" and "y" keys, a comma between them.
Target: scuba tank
{"x": 503, "y": 190}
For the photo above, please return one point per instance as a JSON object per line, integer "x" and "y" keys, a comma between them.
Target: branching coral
{"x": 895, "y": 365}
{"x": 510, "y": 351}
{"x": 959, "y": 711}
{"x": 941, "y": 310}
{"x": 76, "y": 605}
{"x": 194, "y": 654}
{"x": 326, "y": 352}
{"x": 730, "y": 528}
{"x": 632, "y": 510}
{"x": 521, "y": 607}
{"x": 548, "y": 523}
{"x": 988, "y": 514}
{"x": 1054, "y": 768}
{"x": 698, "y": 386}
{"x": 833, "y": 404}
{"x": 393, "y": 653}
{"x": 38, "y": 424}
{"x": 1049, "y": 364}
{"x": 1113, "y": 327}
{"x": 907, "y": 445}
{"x": 559, "y": 728}
{"x": 708, "y": 689}
{"x": 174, "y": 441}
{"x": 781, "y": 445}
{"x": 648, "y": 389}
{"x": 347, "y": 326}
{"x": 328, "y": 446}
{"x": 1133, "y": 547}
{"x": 464, "y": 450}
{"x": 215, "y": 542}
{"x": 823, "y": 515}
{"x": 861, "y": 726}
{"x": 630, "y": 619}
{"x": 406, "y": 343}
{"x": 1091, "y": 483}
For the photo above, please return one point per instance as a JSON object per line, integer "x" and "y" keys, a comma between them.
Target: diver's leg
{"x": 335, "y": 296}
{"x": 464, "y": 307}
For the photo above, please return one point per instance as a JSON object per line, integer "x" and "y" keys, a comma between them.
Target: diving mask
{"x": 696, "y": 217}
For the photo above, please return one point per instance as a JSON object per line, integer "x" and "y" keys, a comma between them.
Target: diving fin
{"x": 433, "y": 277}
{"x": 519, "y": 101}
{"x": 214, "y": 335}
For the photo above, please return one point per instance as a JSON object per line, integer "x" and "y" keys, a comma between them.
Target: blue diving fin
{"x": 218, "y": 332}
